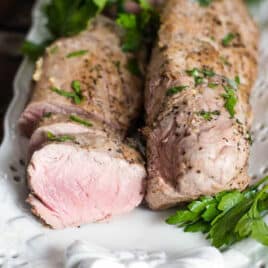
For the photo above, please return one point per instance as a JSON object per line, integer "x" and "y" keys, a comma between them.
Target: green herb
{"x": 229, "y": 216}
{"x": 64, "y": 18}
{"x": 76, "y": 86}
{"x": 208, "y": 115}
{"x": 194, "y": 72}
{"x": 70, "y": 17}
{"x": 63, "y": 138}
{"x": 228, "y": 39}
{"x": 230, "y": 99}
{"x": 237, "y": 80}
{"x": 212, "y": 85}
{"x": 197, "y": 75}
{"x": 174, "y": 90}
{"x": 139, "y": 29}
{"x": 76, "y": 95}
{"x": 133, "y": 67}
{"x": 233, "y": 83}
{"x": 208, "y": 72}
{"x": 77, "y": 53}
{"x": 127, "y": 21}
{"x": 62, "y": 92}
{"x": 200, "y": 74}
{"x": 33, "y": 50}
{"x": 80, "y": 120}
{"x": 204, "y": 3}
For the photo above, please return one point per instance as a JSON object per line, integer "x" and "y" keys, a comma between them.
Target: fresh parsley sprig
{"x": 139, "y": 29}
{"x": 64, "y": 18}
{"x": 174, "y": 90}
{"x": 228, "y": 217}
{"x": 63, "y": 138}
{"x": 230, "y": 100}
{"x": 76, "y": 95}
{"x": 80, "y": 120}
{"x": 200, "y": 74}
{"x": 208, "y": 115}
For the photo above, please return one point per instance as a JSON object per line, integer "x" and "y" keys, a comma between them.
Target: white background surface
{"x": 24, "y": 242}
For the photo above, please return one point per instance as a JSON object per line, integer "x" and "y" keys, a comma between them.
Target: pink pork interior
{"x": 74, "y": 186}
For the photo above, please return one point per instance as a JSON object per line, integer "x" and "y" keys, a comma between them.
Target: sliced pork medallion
{"x": 58, "y": 124}
{"x": 197, "y": 101}
{"x": 84, "y": 178}
{"x": 90, "y": 75}
{"x": 84, "y": 101}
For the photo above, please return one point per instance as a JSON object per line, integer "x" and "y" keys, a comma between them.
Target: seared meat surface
{"x": 197, "y": 101}
{"x": 83, "y": 103}
{"x": 111, "y": 93}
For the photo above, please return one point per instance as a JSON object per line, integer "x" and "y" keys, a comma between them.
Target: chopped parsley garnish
{"x": 174, "y": 90}
{"x": 77, "y": 53}
{"x": 204, "y": 3}
{"x": 76, "y": 95}
{"x": 200, "y": 74}
{"x": 237, "y": 80}
{"x": 208, "y": 115}
{"x": 228, "y": 217}
{"x": 226, "y": 41}
{"x": 64, "y": 18}
{"x": 133, "y": 67}
{"x": 70, "y": 17}
{"x": 138, "y": 27}
{"x": 80, "y": 120}
{"x": 230, "y": 99}
{"x": 212, "y": 85}
{"x": 208, "y": 72}
{"x": 63, "y": 138}
{"x": 76, "y": 86}
{"x": 33, "y": 50}
{"x": 62, "y": 92}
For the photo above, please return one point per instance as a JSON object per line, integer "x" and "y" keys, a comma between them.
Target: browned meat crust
{"x": 190, "y": 155}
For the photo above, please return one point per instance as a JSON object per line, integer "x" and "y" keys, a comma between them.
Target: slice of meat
{"x": 81, "y": 173}
{"x": 59, "y": 124}
{"x": 194, "y": 145}
{"x": 91, "y": 178}
{"x": 111, "y": 93}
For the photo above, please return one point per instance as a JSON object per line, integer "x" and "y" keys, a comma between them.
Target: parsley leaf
{"x": 204, "y": 3}
{"x": 230, "y": 100}
{"x": 208, "y": 115}
{"x": 139, "y": 29}
{"x": 80, "y": 120}
{"x": 64, "y": 18}
{"x": 62, "y": 92}
{"x": 63, "y": 138}
{"x": 33, "y": 50}
{"x": 70, "y": 17}
{"x": 77, "y": 53}
{"x": 228, "y": 39}
{"x": 228, "y": 217}
{"x": 200, "y": 74}
{"x": 174, "y": 90}
{"x": 76, "y": 95}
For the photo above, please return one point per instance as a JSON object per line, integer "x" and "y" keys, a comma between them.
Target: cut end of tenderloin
{"x": 72, "y": 185}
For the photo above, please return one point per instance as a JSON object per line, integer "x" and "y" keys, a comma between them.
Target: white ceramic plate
{"x": 24, "y": 242}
